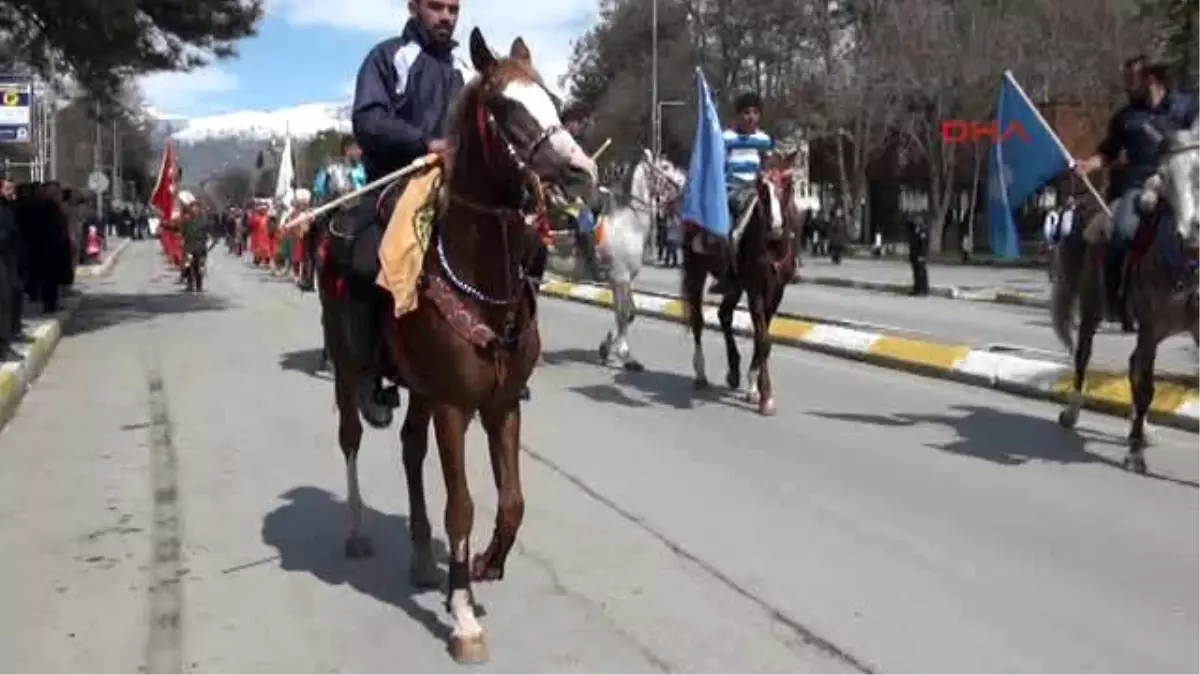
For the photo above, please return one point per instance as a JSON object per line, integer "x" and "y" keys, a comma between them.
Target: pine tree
{"x": 99, "y": 44}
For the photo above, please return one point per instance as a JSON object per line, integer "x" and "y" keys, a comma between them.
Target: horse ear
{"x": 520, "y": 52}
{"x": 482, "y": 57}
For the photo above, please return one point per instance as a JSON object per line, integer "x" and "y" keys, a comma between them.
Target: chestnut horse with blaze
{"x": 764, "y": 264}
{"x": 472, "y": 341}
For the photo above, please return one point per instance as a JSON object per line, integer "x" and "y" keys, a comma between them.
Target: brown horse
{"x": 472, "y": 342}
{"x": 1161, "y": 307}
{"x": 765, "y": 261}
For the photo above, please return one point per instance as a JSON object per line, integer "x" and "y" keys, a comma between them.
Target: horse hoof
{"x": 466, "y": 649}
{"x": 700, "y": 384}
{"x": 753, "y": 397}
{"x": 1067, "y": 418}
{"x": 1135, "y": 463}
{"x": 482, "y": 570}
{"x": 358, "y": 546}
{"x": 634, "y": 366}
{"x": 766, "y": 408}
{"x": 733, "y": 381}
{"x": 603, "y": 352}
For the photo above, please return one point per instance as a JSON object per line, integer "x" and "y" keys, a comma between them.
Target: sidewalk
{"x": 1013, "y": 286}
{"x": 43, "y": 331}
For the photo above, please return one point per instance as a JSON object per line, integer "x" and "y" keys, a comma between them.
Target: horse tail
{"x": 1066, "y": 269}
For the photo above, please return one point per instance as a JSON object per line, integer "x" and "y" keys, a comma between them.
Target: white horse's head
{"x": 1177, "y": 181}
{"x": 651, "y": 179}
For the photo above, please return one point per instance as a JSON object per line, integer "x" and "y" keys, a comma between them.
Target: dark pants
{"x": 48, "y": 290}
{"x": 920, "y": 272}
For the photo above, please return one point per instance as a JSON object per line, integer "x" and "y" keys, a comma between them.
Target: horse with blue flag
{"x": 731, "y": 175}
{"x": 1153, "y": 228}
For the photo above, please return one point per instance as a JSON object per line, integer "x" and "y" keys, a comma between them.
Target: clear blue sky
{"x": 309, "y": 50}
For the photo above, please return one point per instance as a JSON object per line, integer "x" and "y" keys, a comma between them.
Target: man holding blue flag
{"x": 745, "y": 145}
{"x": 1026, "y": 156}
{"x": 724, "y": 166}
{"x": 1137, "y": 129}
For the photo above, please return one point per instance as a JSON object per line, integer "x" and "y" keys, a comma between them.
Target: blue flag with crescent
{"x": 1025, "y": 156}
{"x": 705, "y": 202}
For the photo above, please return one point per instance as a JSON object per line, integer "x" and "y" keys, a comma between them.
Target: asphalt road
{"x": 1025, "y": 330}
{"x": 170, "y": 496}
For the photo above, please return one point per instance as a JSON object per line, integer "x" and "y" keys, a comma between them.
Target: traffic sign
{"x": 98, "y": 182}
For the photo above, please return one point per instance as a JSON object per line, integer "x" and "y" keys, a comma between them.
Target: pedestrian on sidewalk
{"x": 918, "y": 252}
{"x": 11, "y": 283}
{"x": 839, "y": 233}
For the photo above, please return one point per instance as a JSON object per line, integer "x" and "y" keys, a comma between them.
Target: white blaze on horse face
{"x": 536, "y": 101}
{"x": 776, "y": 208}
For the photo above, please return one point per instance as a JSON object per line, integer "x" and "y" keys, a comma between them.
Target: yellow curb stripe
{"x": 930, "y": 354}
{"x": 673, "y": 309}
{"x": 791, "y": 329}
{"x": 1113, "y": 388}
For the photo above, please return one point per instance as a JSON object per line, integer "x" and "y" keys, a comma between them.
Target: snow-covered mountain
{"x": 301, "y": 121}
{"x": 211, "y": 144}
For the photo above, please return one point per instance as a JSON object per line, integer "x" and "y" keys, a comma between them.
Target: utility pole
{"x": 116, "y": 161}
{"x": 96, "y": 161}
{"x": 654, "y": 122}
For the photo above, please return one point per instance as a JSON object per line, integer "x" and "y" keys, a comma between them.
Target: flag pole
{"x": 1062, "y": 148}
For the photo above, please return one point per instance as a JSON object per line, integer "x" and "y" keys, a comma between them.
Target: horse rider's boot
{"x": 724, "y": 283}
{"x": 371, "y": 396}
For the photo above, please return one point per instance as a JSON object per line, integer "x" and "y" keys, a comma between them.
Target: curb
{"x": 104, "y": 268}
{"x": 949, "y": 292}
{"x": 17, "y": 377}
{"x": 1175, "y": 404}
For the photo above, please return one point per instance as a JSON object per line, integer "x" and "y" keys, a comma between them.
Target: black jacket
{"x": 402, "y": 98}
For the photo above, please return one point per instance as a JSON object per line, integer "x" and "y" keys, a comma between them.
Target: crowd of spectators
{"x": 40, "y": 231}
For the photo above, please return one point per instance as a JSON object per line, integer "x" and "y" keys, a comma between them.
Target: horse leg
{"x": 694, "y": 276}
{"x": 762, "y": 347}
{"x": 733, "y": 373}
{"x": 414, "y": 441}
{"x": 626, "y": 312}
{"x": 755, "y": 393}
{"x": 503, "y": 427}
{"x": 1089, "y": 321}
{"x": 467, "y": 643}
{"x": 350, "y": 431}
{"x": 1141, "y": 385}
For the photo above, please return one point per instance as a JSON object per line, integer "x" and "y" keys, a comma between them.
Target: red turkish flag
{"x": 163, "y": 198}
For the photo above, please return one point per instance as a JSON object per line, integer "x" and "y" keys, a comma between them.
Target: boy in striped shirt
{"x": 745, "y": 145}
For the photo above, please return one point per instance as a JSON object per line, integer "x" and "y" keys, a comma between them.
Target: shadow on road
{"x": 1005, "y": 438}
{"x": 663, "y": 388}
{"x": 308, "y": 532}
{"x": 104, "y": 310}
{"x": 307, "y": 361}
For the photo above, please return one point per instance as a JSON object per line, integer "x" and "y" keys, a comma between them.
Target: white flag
{"x": 286, "y": 179}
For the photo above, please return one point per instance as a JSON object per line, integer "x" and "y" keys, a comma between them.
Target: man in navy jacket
{"x": 401, "y": 101}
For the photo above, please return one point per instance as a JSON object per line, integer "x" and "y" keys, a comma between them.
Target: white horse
{"x": 626, "y": 232}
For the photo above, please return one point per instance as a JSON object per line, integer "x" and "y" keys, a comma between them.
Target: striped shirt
{"x": 742, "y": 155}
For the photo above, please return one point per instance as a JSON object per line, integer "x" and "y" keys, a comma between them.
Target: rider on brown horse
{"x": 745, "y": 145}
{"x": 1139, "y": 128}
{"x": 401, "y": 101}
